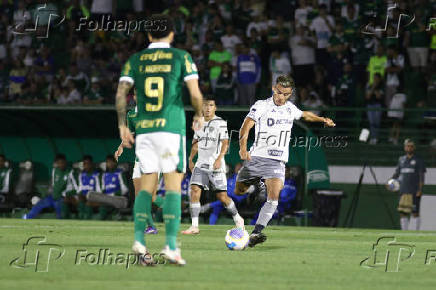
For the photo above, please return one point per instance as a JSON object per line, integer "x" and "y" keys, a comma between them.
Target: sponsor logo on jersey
{"x": 407, "y": 170}
{"x": 274, "y": 152}
{"x": 145, "y": 124}
{"x": 156, "y": 55}
{"x": 271, "y": 122}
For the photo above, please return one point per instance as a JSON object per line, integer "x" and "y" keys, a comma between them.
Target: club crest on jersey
{"x": 211, "y": 129}
{"x": 413, "y": 162}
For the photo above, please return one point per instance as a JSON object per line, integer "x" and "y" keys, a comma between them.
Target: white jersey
{"x": 209, "y": 143}
{"x": 273, "y": 128}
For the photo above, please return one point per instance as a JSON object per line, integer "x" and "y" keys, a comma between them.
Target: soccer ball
{"x": 393, "y": 185}
{"x": 237, "y": 239}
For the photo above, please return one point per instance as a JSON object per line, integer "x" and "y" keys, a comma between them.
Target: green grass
{"x": 291, "y": 258}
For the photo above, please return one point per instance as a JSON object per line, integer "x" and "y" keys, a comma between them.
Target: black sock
{"x": 257, "y": 229}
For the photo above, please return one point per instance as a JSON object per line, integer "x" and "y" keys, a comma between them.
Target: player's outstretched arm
{"x": 311, "y": 117}
{"x": 197, "y": 103}
{"x": 121, "y": 105}
{"x": 194, "y": 150}
{"x": 243, "y": 137}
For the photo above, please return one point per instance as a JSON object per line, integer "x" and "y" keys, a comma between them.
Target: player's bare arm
{"x": 224, "y": 147}
{"x": 243, "y": 137}
{"x": 121, "y": 107}
{"x": 311, "y": 117}
{"x": 119, "y": 151}
{"x": 194, "y": 150}
{"x": 197, "y": 103}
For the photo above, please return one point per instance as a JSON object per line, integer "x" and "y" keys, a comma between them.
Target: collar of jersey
{"x": 159, "y": 45}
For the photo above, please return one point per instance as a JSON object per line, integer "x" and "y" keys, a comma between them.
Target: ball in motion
{"x": 237, "y": 239}
{"x": 393, "y": 185}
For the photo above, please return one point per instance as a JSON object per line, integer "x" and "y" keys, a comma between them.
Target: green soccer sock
{"x": 150, "y": 221}
{"x": 141, "y": 212}
{"x": 171, "y": 213}
{"x": 159, "y": 201}
{"x": 81, "y": 210}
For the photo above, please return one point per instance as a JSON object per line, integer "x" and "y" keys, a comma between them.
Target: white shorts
{"x": 161, "y": 152}
{"x": 136, "y": 172}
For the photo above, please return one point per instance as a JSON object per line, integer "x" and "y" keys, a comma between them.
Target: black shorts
{"x": 416, "y": 204}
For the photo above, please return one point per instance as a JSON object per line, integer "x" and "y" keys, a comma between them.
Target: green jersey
{"x": 60, "y": 182}
{"x": 158, "y": 73}
{"x": 5, "y": 180}
{"x": 131, "y": 122}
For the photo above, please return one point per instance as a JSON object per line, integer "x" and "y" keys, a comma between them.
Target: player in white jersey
{"x": 211, "y": 143}
{"x": 273, "y": 119}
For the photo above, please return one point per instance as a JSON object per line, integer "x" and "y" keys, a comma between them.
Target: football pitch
{"x": 92, "y": 255}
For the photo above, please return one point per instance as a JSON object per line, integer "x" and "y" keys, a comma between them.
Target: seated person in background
{"x": 5, "y": 179}
{"x": 58, "y": 188}
{"x": 113, "y": 183}
{"x": 89, "y": 180}
{"x": 287, "y": 195}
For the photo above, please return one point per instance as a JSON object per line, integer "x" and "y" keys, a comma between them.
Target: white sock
{"x": 195, "y": 212}
{"x": 404, "y": 221}
{"x": 414, "y": 223}
{"x": 195, "y": 222}
{"x": 236, "y": 217}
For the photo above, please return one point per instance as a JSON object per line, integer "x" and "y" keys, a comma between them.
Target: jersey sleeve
{"x": 255, "y": 111}
{"x": 223, "y": 133}
{"x": 189, "y": 69}
{"x": 127, "y": 73}
{"x": 295, "y": 112}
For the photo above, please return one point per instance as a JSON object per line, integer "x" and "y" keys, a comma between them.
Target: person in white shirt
{"x": 394, "y": 69}
{"x": 300, "y": 14}
{"x": 396, "y": 114}
{"x": 273, "y": 119}
{"x": 230, "y": 40}
{"x": 303, "y": 55}
{"x": 209, "y": 172}
{"x": 279, "y": 65}
{"x": 323, "y": 26}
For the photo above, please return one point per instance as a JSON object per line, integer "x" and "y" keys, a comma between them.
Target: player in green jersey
{"x": 157, "y": 73}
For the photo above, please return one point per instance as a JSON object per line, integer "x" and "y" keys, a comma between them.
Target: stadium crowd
{"x": 340, "y": 52}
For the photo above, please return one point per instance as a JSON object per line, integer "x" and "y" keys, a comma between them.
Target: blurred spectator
{"x": 224, "y": 89}
{"x": 362, "y": 49}
{"x": 349, "y": 10}
{"x": 377, "y": 64}
{"x": 302, "y": 12}
{"x": 258, "y": 24}
{"x": 278, "y": 35}
{"x": 17, "y": 77}
{"x": 44, "y": 64}
{"x": 343, "y": 92}
{"x": 279, "y": 65}
{"x": 310, "y": 100}
{"x": 303, "y": 56}
{"x": 76, "y": 11}
{"x": 230, "y": 40}
{"x": 217, "y": 57}
{"x": 417, "y": 42}
{"x": 394, "y": 72}
{"x": 337, "y": 42}
{"x": 5, "y": 176}
{"x": 101, "y": 7}
{"x": 72, "y": 95}
{"x": 89, "y": 180}
{"x": 80, "y": 79}
{"x": 93, "y": 97}
{"x": 396, "y": 114}
{"x": 4, "y": 81}
{"x": 323, "y": 26}
{"x": 248, "y": 72}
{"x": 4, "y": 21}
{"x": 374, "y": 102}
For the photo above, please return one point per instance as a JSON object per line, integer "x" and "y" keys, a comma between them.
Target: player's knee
{"x": 222, "y": 196}
{"x": 195, "y": 193}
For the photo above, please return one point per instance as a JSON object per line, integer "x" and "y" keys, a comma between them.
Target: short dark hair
{"x": 60, "y": 156}
{"x": 3, "y": 156}
{"x": 209, "y": 98}
{"x": 87, "y": 157}
{"x": 161, "y": 26}
{"x": 111, "y": 157}
{"x": 285, "y": 81}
